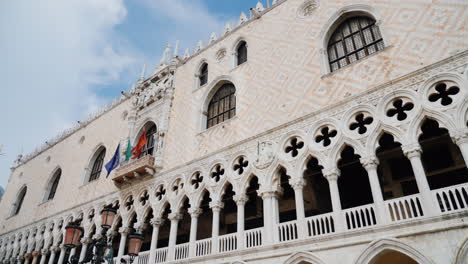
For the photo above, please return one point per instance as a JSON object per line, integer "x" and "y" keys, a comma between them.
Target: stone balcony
{"x": 134, "y": 169}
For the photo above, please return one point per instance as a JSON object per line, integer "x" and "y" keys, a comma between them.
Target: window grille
{"x": 222, "y": 106}
{"x": 97, "y": 166}
{"x": 354, "y": 39}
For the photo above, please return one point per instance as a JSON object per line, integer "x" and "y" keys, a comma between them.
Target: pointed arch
{"x": 340, "y": 146}
{"x": 52, "y": 184}
{"x": 372, "y": 142}
{"x": 19, "y": 200}
{"x": 151, "y": 129}
{"x": 444, "y": 121}
{"x": 300, "y": 257}
{"x": 390, "y": 244}
{"x": 95, "y": 164}
{"x": 462, "y": 255}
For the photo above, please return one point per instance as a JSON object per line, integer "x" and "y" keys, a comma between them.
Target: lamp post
{"x": 97, "y": 249}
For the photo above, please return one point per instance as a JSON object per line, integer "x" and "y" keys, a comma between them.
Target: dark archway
{"x": 353, "y": 183}
{"x": 396, "y": 175}
{"x": 254, "y": 206}
{"x": 286, "y": 200}
{"x": 183, "y": 228}
{"x": 228, "y": 216}
{"x": 443, "y": 162}
{"x": 205, "y": 228}
{"x": 317, "y": 199}
{"x": 392, "y": 257}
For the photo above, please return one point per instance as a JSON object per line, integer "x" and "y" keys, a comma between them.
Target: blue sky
{"x": 61, "y": 60}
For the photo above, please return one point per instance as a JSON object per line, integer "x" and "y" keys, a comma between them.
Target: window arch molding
{"x": 211, "y": 90}
{"x": 145, "y": 126}
{"x": 92, "y": 159}
{"x": 198, "y": 73}
{"x": 19, "y": 200}
{"x": 234, "y": 50}
{"x": 56, "y": 172}
{"x": 335, "y": 21}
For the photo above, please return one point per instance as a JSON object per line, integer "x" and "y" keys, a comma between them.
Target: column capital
{"x": 63, "y": 247}
{"x": 27, "y": 255}
{"x": 240, "y": 199}
{"x": 156, "y": 222}
{"x": 370, "y": 162}
{"x": 412, "y": 150}
{"x": 54, "y": 249}
{"x": 44, "y": 251}
{"x": 298, "y": 185}
{"x": 85, "y": 240}
{"x": 36, "y": 253}
{"x": 195, "y": 212}
{"x": 265, "y": 194}
{"x": 331, "y": 174}
{"x": 216, "y": 206}
{"x": 460, "y": 138}
{"x": 124, "y": 230}
{"x": 175, "y": 216}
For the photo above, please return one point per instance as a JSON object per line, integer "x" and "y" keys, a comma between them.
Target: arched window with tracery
{"x": 354, "y": 39}
{"x": 97, "y": 164}
{"x": 55, "y": 182}
{"x": 19, "y": 201}
{"x": 203, "y": 75}
{"x": 241, "y": 53}
{"x": 222, "y": 105}
{"x": 148, "y": 149}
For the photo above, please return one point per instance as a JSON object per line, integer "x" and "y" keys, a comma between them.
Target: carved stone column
{"x": 62, "y": 254}
{"x": 298, "y": 187}
{"x": 175, "y": 218}
{"x": 44, "y": 255}
{"x": 194, "y": 214}
{"x": 270, "y": 215}
{"x": 84, "y": 242}
{"x": 124, "y": 231}
{"x": 370, "y": 164}
{"x": 240, "y": 200}
{"x": 413, "y": 152}
{"x": 35, "y": 256}
{"x": 216, "y": 209}
{"x": 53, "y": 253}
{"x": 332, "y": 177}
{"x": 157, "y": 222}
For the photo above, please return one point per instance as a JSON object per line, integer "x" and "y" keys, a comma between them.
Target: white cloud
{"x": 190, "y": 20}
{"x": 52, "y": 52}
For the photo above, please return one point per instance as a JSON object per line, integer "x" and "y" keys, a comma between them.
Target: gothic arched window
{"x": 148, "y": 149}
{"x": 354, "y": 39}
{"x": 19, "y": 201}
{"x": 55, "y": 182}
{"x": 241, "y": 53}
{"x": 203, "y": 77}
{"x": 97, "y": 164}
{"x": 222, "y": 106}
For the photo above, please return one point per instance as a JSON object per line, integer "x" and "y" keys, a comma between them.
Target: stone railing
{"x": 448, "y": 200}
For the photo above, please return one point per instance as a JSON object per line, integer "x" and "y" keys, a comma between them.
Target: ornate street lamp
{"x": 135, "y": 241}
{"x": 100, "y": 249}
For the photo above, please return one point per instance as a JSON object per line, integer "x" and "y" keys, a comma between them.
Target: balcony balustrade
{"x": 134, "y": 169}
{"x": 405, "y": 209}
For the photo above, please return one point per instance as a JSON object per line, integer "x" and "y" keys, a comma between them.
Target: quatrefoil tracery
{"x": 217, "y": 173}
{"x": 196, "y": 180}
{"x": 294, "y": 146}
{"x": 241, "y": 165}
{"x": 160, "y": 192}
{"x": 326, "y": 136}
{"x": 129, "y": 203}
{"x": 361, "y": 123}
{"x": 444, "y": 94}
{"x": 399, "y": 109}
{"x": 144, "y": 198}
{"x": 178, "y": 185}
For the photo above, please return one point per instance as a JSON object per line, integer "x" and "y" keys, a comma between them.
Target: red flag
{"x": 136, "y": 151}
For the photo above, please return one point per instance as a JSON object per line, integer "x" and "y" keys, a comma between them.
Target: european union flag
{"x": 114, "y": 162}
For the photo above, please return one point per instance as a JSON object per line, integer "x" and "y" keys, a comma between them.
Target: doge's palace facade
{"x": 312, "y": 131}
